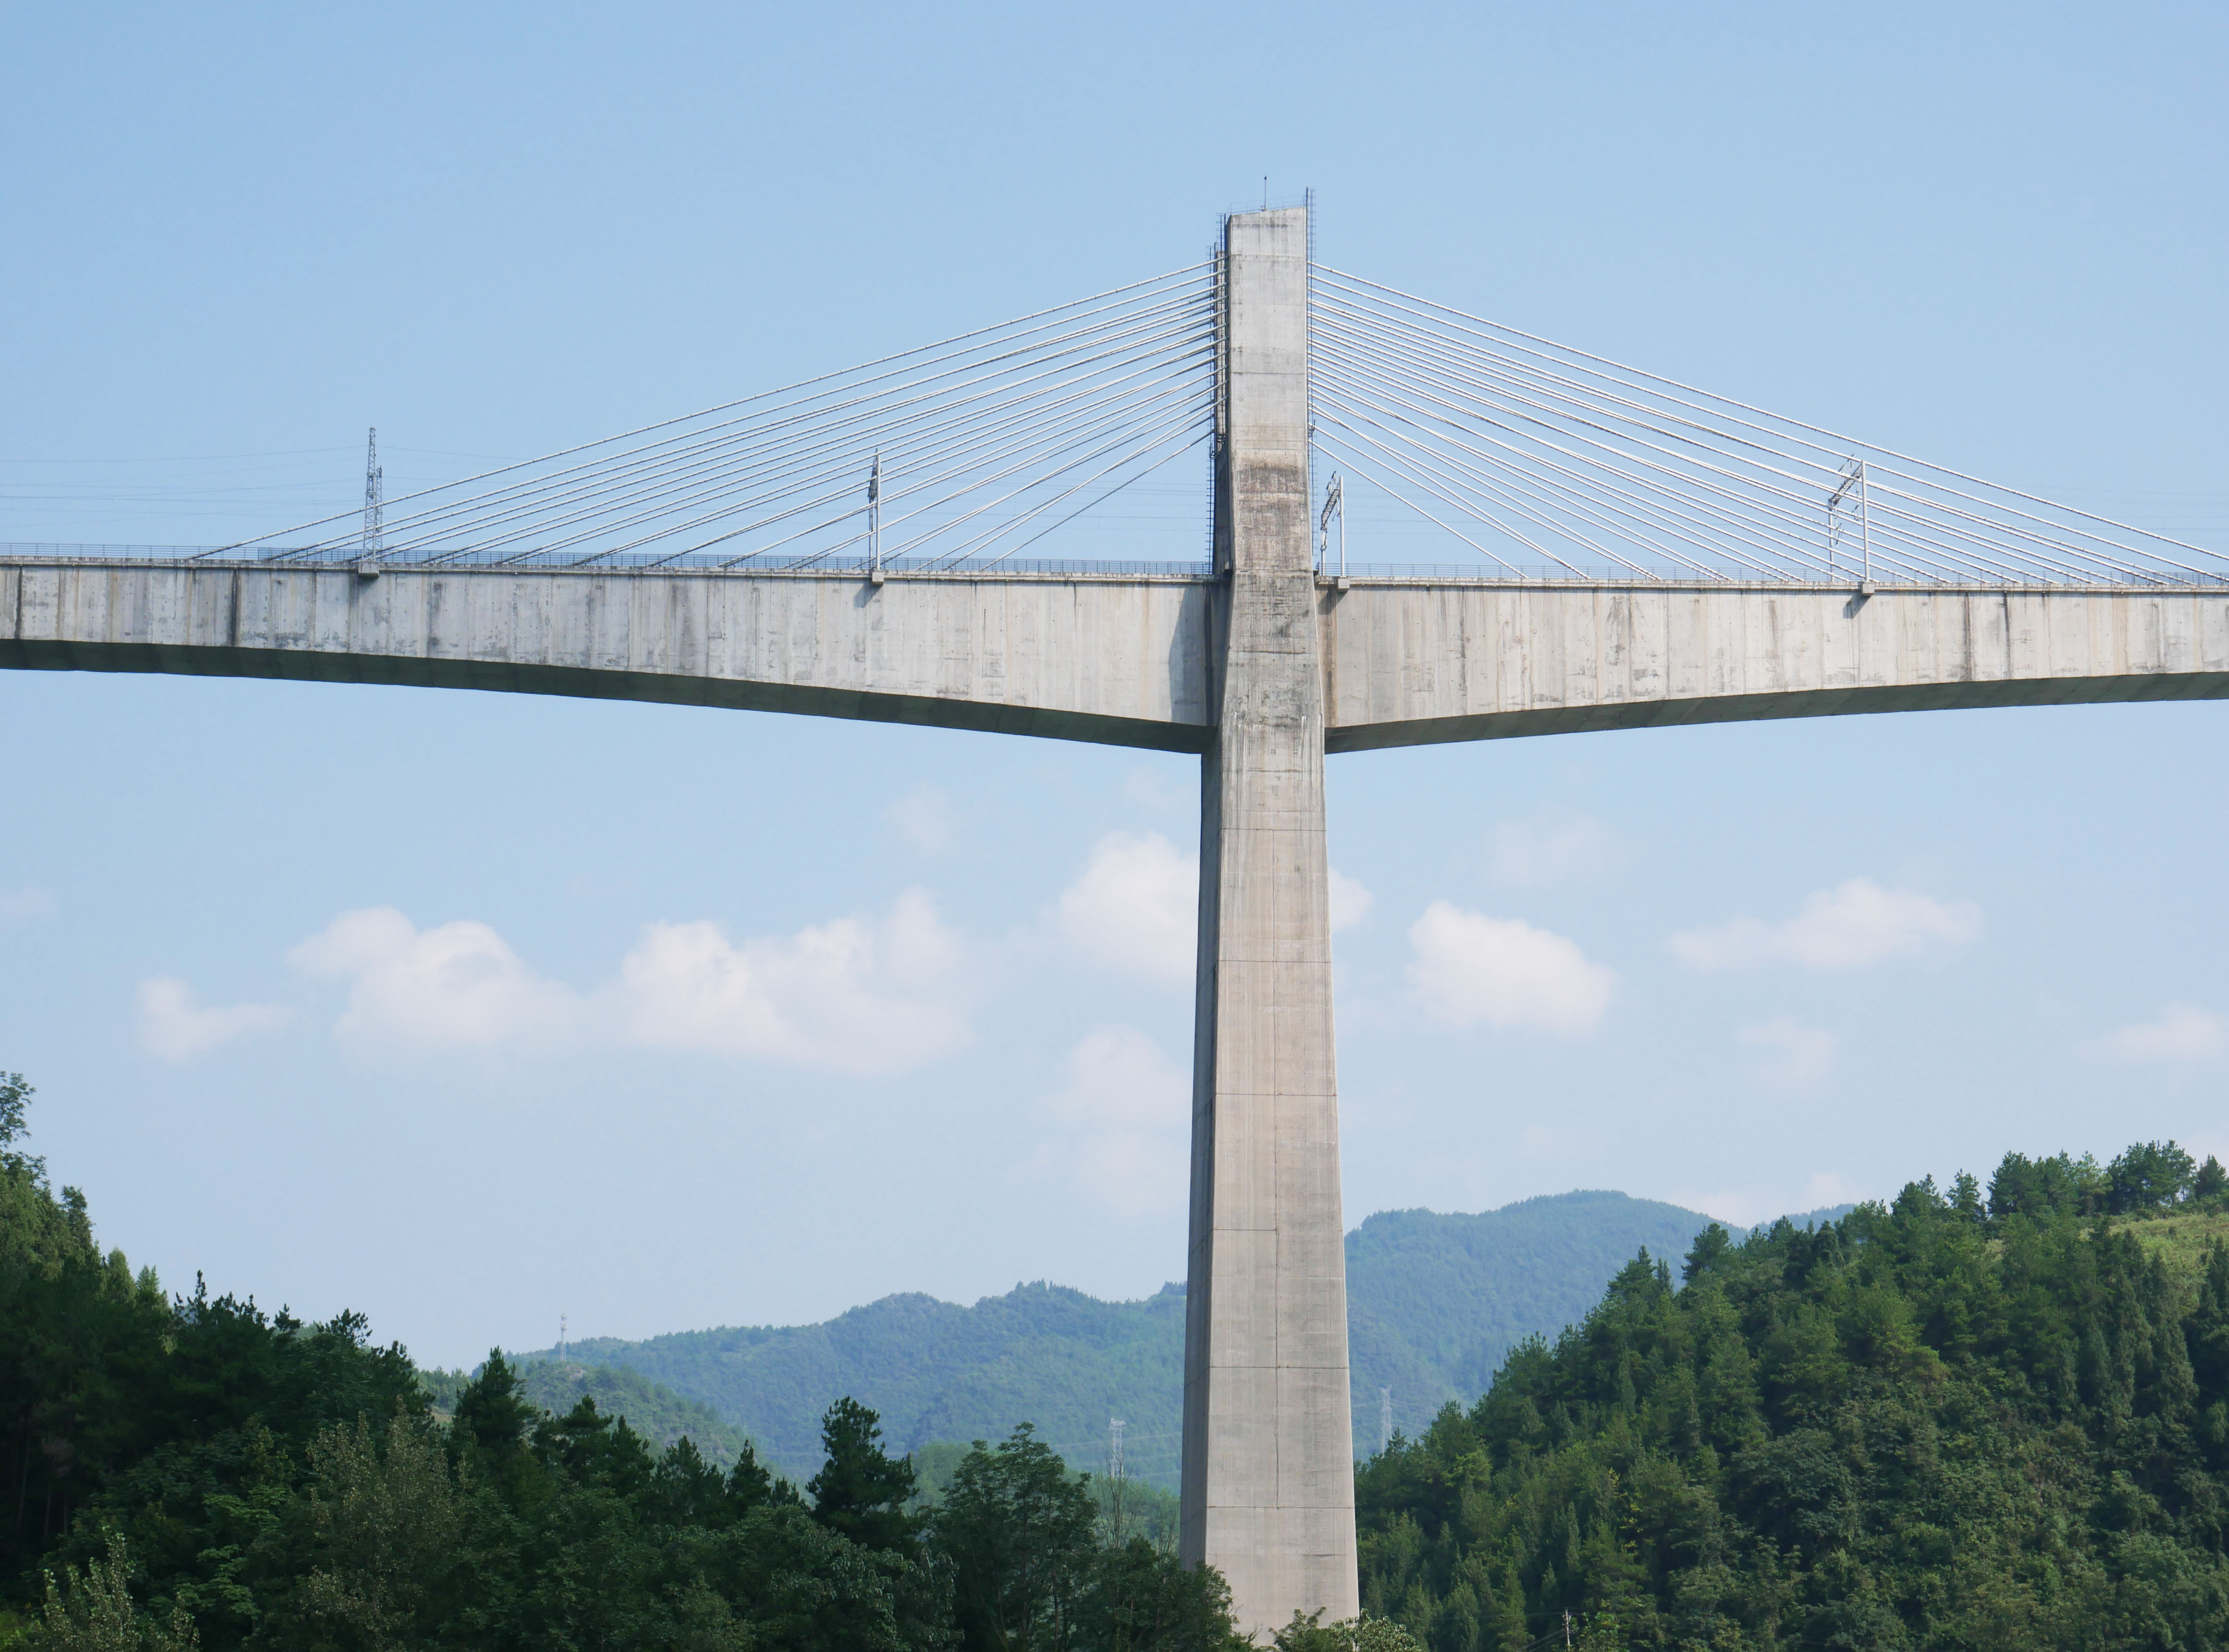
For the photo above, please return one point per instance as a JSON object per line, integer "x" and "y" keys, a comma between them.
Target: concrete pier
{"x": 1269, "y": 1458}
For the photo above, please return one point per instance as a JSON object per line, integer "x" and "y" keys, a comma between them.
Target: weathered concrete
{"x": 1407, "y": 664}
{"x": 1118, "y": 661}
{"x": 1125, "y": 661}
{"x": 1268, "y": 1457}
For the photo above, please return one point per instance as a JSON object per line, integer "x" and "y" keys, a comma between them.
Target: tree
{"x": 2211, "y": 1181}
{"x": 93, "y": 1611}
{"x": 1710, "y": 1247}
{"x": 1140, "y": 1598}
{"x": 2148, "y": 1175}
{"x": 1016, "y": 1529}
{"x": 861, "y": 1490}
{"x": 14, "y": 1098}
{"x": 1363, "y": 1634}
{"x": 490, "y": 1411}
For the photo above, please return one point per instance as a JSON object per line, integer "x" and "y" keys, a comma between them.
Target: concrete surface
{"x": 1268, "y": 1454}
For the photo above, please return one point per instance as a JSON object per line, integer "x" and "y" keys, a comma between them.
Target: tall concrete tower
{"x": 1268, "y": 1462}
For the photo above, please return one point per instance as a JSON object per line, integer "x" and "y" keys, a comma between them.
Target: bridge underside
{"x": 1123, "y": 661}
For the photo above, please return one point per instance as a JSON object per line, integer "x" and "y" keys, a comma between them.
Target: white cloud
{"x": 1801, "y": 1055}
{"x": 1470, "y": 967}
{"x": 457, "y": 984}
{"x": 1130, "y": 1108}
{"x": 925, "y": 818}
{"x": 28, "y": 902}
{"x": 1350, "y": 902}
{"x": 852, "y": 995}
{"x": 1136, "y": 906}
{"x": 1550, "y": 847}
{"x": 2179, "y": 1033}
{"x": 1856, "y": 923}
{"x": 175, "y": 1027}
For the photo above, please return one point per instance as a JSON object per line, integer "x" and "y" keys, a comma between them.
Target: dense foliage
{"x": 195, "y": 1474}
{"x": 651, "y": 1409}
{"x": 1950, "y": 1422}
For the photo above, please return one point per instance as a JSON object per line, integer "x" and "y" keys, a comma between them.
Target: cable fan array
{"x": 1517, "y": 445}
{"x": 966, "y": 451}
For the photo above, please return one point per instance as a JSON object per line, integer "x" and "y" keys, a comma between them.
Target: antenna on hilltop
{"x": 375, "y": 529}
{"x": 561, "y": 1336}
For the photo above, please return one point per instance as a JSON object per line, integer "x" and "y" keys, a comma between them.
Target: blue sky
{"x": 1748, "y": 968}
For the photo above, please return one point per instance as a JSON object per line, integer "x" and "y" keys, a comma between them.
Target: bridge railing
{"x": 464, "y": 559}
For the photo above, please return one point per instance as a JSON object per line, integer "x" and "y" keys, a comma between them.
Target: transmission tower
{"x": 1115, "y": 1427}
{"x": 1384, "y": 1419}
{"x": 375, "y": 530}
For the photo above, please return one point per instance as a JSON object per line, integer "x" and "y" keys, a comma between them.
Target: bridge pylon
{"x": 1268, "y": 1453}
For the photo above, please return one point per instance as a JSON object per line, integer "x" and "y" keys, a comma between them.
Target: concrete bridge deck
{"x": 1124, "y": 658}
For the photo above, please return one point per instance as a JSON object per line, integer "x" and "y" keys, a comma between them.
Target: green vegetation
{"x": 1435, "y": 1303}
{"x": 652, "y": 1410}
{"x": 195, "y": 1473}
{"x": 1949, "y": 1422}
{"x": 935, "y": 1371}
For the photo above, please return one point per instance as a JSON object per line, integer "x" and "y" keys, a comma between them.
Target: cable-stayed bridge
{"x": 1585, "y": 545}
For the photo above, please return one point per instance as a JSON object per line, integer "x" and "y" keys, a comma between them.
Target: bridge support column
{"x": 1269, "y": 1468}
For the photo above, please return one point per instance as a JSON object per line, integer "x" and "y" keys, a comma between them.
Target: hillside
{"x": 1947, "y": 1421}
{"x": 1435, "y": 1302}
{"x": 937, "y": 1371}
{"x": 651, "y": 1409}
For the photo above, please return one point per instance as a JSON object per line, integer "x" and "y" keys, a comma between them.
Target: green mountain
{"x": 937, "y": 1371}
{"x": 1434, "y": 1303}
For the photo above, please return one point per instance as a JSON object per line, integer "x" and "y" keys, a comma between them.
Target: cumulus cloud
{"x": 1854, "y": 924}
{"x": 925, "y": 818}
{"x": 1800, "y": 1055}
{"x": 1350, "y": 902}
{"x": 177, "y": 1028}
{"x": 1136, "y": 906}
{"x": 2179, "y": 1033}
{"x": 1550, "y": 847}
{"x": 852, "y": 995}
{"x": 1129, "y": 1108}
{"x": 1469, "y": 967}
{"x": 457, "y": 985}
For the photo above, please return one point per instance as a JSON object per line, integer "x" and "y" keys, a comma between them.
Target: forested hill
{"x": 1434, "y": 1303}
{"x": 653, "y": 1411}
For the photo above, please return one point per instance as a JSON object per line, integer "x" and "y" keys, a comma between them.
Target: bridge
{"x": 1642, "y": 553}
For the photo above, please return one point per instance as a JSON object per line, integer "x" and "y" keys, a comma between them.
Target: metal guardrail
{"x": 1364, "y": 573}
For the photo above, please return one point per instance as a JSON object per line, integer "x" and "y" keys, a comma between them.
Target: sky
{"x": 468, "y": 1011}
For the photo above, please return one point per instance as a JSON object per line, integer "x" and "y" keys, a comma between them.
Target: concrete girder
{"x": 1120, "y": 661}
{"x": 1412, "y": 663}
